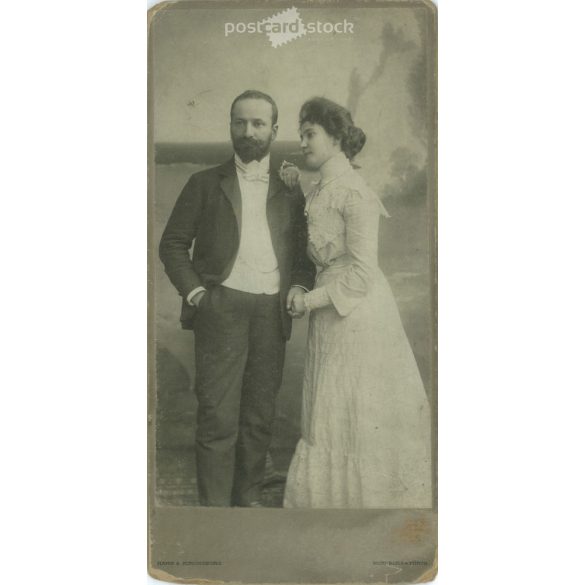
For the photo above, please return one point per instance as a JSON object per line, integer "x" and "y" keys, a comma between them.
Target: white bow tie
{"x": 259, "y": 177}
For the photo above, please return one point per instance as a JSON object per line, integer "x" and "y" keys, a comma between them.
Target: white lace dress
{"x": 365, "y": 429}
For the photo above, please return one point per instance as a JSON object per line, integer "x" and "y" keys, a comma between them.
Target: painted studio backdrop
{"x": 375, "y": 62}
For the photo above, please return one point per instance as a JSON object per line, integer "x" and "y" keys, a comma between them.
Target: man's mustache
{"x": 248, "y": 142}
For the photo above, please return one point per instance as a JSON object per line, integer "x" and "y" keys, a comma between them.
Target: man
{"x": 248, "y": 260}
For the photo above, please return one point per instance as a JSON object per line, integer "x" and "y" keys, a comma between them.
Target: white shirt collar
{"x": 261, "y": 167}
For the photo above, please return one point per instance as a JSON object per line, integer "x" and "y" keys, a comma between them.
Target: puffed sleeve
{"x": 361, "y": 214}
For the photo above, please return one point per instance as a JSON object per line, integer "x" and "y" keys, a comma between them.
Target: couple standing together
{"x": 258, "y": 243}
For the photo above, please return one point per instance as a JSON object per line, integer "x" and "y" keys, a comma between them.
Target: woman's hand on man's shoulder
{"x": 289, "y": 174}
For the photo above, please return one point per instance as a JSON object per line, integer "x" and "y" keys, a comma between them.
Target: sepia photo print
{"x": 292, "y": 291}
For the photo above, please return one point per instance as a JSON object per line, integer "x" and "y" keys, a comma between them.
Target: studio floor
{"x": 177, "y": 486}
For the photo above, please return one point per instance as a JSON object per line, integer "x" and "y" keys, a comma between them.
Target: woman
{"x": 365, "y": 428}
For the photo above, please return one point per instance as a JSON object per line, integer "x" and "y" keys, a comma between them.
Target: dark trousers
{"x": 239, "y": 356}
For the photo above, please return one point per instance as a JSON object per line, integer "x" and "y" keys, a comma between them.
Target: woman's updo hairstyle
{"x": 336, "y": 121}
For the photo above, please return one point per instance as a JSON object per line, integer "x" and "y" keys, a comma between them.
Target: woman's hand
{"x": 290, "y": 174}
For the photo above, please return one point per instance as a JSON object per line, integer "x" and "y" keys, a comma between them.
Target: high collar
{"x": 336, "y": 166}
{"x": 254, "y": 166}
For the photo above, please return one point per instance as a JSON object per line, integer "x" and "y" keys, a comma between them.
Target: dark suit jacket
{"x": 209, "y": 212}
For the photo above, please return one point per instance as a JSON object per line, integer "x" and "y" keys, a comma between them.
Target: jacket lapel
{"x": 231, "y": 188}
{"x": 274, "y": 184}
{"x": 275, "y": 187}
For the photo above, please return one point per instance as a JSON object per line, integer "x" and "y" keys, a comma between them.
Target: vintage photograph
{"x": 292, "y": 301}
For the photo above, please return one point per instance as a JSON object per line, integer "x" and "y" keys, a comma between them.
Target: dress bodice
{"x": 343, "y": 219}
{"x": 338, "y": 202}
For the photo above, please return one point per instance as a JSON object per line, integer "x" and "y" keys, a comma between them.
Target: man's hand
{"x": 295, "y": 302}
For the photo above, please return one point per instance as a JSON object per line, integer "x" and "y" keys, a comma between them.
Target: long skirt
{"x": 365, "y": 428}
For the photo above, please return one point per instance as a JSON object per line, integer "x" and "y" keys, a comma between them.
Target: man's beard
{"x": 249, "y": 149}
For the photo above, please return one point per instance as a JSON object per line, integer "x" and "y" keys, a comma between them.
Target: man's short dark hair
{"x": 254, "y": 94}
